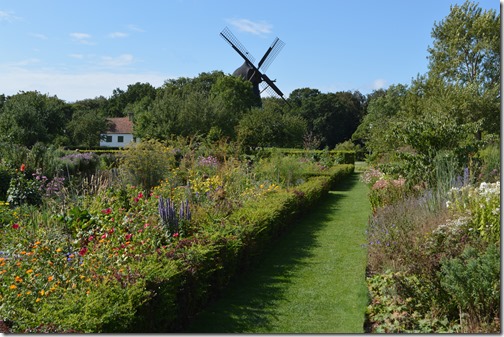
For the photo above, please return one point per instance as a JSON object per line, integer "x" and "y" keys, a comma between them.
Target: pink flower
{"x": 128, "y": 236}
{"x": 91, "y": 238}
{"x": 146, "y": 225}
{"x": 107, "y": 211}
{"x": 104, "y": 236}
{"x": 175, "y": 235}
{"x": 83, "y": 251}
{"x": 15, "y": 226}
{"x": 111, "y": 231}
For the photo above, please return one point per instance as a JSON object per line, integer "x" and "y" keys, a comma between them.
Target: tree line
{"x": 212, "y": 105}
{"x": 456, "y": 103}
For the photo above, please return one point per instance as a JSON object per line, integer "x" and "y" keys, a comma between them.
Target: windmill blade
{"x": 271, "y": 88}
{"x": 237, "y": 46}
{"x": 271, "y": 54}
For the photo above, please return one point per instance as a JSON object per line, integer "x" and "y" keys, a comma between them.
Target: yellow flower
{"x": 58, "y": 250}
{"x": 38, "y": 299}
{"x": 28, "y": 292}
{"x": 42, "y": 292}
{"x": 13, "y": 286}
{"x": 29, "y": 271}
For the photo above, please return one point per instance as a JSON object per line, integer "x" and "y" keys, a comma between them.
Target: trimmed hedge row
{"x": 209, "y": 260}
{"x": 340, "y": 156}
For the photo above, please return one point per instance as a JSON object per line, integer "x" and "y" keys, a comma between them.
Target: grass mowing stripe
{"x": 311, "y": 281}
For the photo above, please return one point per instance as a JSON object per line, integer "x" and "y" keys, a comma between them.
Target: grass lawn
{"x": 311, "y": 281}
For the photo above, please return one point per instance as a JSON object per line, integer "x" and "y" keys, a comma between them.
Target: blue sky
{"x": 84, "y": 49}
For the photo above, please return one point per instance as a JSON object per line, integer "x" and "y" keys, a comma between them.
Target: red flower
{"x": 111, "y": 231}
{"x": 83, "y": 251}
{"x": 140, "y": 195}
{"x": 22, "y": 168}
{"x": 146, "y": 225}
{"x": 91, "y": 238}
{"x": 175, "y": 235}
{"x": 15, "y": 226}
{"x": 104, "y": 236}
{"x": 107, "y": 211}
{"x": 128, "y": 236}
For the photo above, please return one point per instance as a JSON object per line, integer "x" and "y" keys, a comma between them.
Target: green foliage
{"x": 23, "y": 190}
{"x": 482, "y": 205}
{"x": 401, "y": 303}
{"x": 466, "y": 46}
{"x": 331, "y": 117}
{"x": 490, "y": 163}
{"x": 30, "y": 117}
{"x": 281, "y": 170}
{"x": 264, "y": 127}
{"x": 144, "y": 164}
{"x": 85, "y": 127}
{"x": 473, "y": 282}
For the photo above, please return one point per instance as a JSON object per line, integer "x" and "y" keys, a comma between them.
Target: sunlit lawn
{"x": 311, "y": 281}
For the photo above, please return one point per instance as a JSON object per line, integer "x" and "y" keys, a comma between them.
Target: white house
{"x": 119, "y": 133}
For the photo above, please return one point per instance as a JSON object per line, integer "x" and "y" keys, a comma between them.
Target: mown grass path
{"x": 312, "y": 280}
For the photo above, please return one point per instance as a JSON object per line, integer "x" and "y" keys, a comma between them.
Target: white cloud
{"x": 82, "y": 38}
{"x": 379, "y": 84}
{"x": 257, "y": 28}
{"x": 135, "y": 28}
{"x": 71, "y": 86}
{"x": 117, "y": 35}
{"x": 8, "y": 16}
{"x": 118, "y": 61}
{"x": 39, "y": 36}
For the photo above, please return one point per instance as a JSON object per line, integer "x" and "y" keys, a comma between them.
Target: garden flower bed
{"x": 131, "y": 259}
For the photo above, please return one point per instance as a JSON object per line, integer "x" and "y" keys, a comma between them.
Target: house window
{"x": 109, "y": 139}
{"x": 120, "y": 139}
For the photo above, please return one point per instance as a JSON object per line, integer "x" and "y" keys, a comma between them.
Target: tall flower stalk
{"x": 171, "y": 219}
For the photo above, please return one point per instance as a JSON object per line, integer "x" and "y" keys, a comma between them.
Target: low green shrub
{"x": 473, "y": 282}
{"x": 403, "y": 303}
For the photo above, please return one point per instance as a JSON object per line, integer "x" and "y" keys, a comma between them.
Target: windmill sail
{"x": 271, "y": 54}
{"x": 249, "y": 71}
{"x": 237, "y": 46}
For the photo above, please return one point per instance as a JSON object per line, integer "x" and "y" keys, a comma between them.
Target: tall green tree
{"x": 331, "y": 117}
{"x": 466, "y": 56}
{"x": 117, "y": 103}
{"x": 466, "y": 46}
{"x": 31, "y": 117}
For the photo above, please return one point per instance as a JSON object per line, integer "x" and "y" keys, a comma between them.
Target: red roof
{"x": 120, "y": 125}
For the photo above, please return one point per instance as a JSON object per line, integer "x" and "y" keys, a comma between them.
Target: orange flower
{"x": 50, "y": 278}
{"x": 38, "y": 299}
{"x": 28, "y": 292}
{"x": 22, "y": 168}
{"x": 29, "y": 271}
{"x": 18, "y": 279}
{"x": 13, "y": 286}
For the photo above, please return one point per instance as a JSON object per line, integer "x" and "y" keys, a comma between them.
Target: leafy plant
{"x": 473, "y": 282}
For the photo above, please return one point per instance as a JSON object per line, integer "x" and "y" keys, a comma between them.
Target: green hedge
{"x": 211, "y": 259}
{"x": 337, "y": 156}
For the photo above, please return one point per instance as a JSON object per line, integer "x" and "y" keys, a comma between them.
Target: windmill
{"x": 249, "y": 71}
